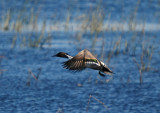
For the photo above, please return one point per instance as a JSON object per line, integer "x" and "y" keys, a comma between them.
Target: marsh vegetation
{"x": 123, "y": 34}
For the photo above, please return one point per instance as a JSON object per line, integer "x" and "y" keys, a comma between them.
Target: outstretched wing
{"x": 77, "y": 63}
{"x": 88, "y": 55}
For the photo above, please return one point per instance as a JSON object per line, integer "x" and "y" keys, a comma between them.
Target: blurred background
{"x": 124, "y": 34}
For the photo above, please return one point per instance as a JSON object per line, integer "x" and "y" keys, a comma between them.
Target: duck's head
{"x": 61, "y": 54}
{"x": 105, "y": 69}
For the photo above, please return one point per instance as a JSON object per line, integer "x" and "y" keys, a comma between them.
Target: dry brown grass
{"x": 89, "y": 101}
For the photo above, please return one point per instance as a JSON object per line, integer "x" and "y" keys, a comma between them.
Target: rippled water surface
{"x": 57, "y": 89}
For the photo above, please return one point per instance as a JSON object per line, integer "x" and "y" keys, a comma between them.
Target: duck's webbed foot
{"x": 100, "y": 73}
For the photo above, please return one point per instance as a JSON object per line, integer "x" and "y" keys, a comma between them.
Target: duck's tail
{"x": 106, "y": 70}
{"x": 63, "y": 55}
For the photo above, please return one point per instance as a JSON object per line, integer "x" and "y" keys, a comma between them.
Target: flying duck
{"x": 84, "y": 59}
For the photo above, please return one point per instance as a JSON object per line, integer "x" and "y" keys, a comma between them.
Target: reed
{"x": 30, "y": 73}
{"x": 1, "y": 70}
{"x": 150, "y": 52}
{"x": 48, "y": 40}
{"x": 18, "y": 23}
{"x": 140, "y": 71}
{"x": 7, "y": 21}
{"x": 115, "y": 50}
{"x": 94, "y": 43}
{"x": 40, "y": 39}
{"x": 67, "y": 22}
{"x": 28, "y": 82}
{"x": 142, "y": 66}
{"x": 102, "y": 49}
{"x": 132, "y": 24}
{"x": 89, "y": 101}
{"x": 96, "y": 24}
{"x": 85, "y": 23}
{"x": 23, "y": 44}
{"x": 14, "y": 42}
{"x": 23, "y": 21}
{"x": 126, "y": 48}
{"x": 117, "y": 46}
{"x": 84, "y": 26}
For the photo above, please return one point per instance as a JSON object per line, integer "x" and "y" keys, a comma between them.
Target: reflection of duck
{"x": 84, "y": 59}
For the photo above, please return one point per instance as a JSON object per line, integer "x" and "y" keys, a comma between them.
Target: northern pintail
{"x": 84, "y": 59}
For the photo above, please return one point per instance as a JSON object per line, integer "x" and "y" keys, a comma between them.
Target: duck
{"x": 84, "y": 59}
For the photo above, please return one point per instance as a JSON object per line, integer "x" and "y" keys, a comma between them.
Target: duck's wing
{"x": 88, "y": 55}
{"x": 90, "y": 59}
{"x": 77, "y": 63}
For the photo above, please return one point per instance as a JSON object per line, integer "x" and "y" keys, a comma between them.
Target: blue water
{"x": 57, "y": 89}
